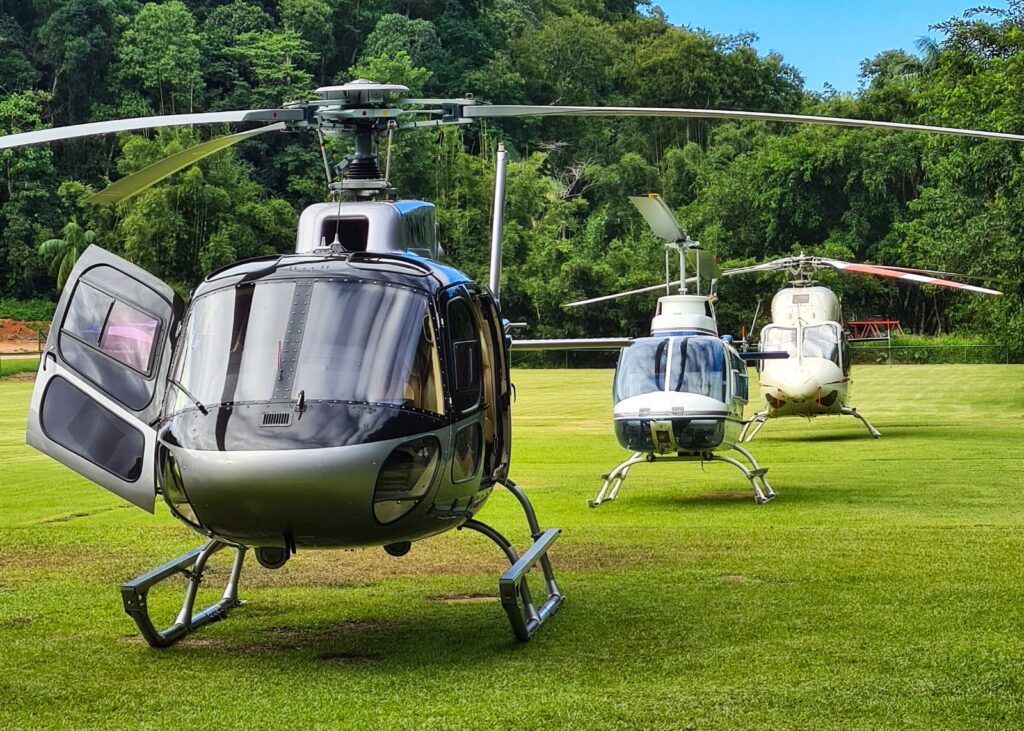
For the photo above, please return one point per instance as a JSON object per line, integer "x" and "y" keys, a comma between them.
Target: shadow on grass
{"x": 888, "y": 434}
{"x": 804, "y": 437}
{"x": 733, "y": 500}
{"x": 466, "y": 636}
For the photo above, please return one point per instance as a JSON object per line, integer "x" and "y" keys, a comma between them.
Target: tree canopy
{"x": 747, "y": 190}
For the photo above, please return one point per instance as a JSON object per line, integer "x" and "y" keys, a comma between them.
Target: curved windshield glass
{"x": 694, "y": 365}
{"x": 641, "y": 368}
{"x": 325, "y": 340}
{"x": 821, "y": 341}
{"x": 698, "y": 366}
{"x": 774, "y": 337}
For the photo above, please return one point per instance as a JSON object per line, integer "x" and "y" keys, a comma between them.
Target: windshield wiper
{"x": 188, "y": 394}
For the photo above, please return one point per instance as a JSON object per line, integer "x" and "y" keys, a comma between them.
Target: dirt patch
{"x": 19, "y": 337}
{"x": 453, "y": 554}
{"x": 87, "y": 564}
{"x": 26, "y": 376}
{"x": 720, "y": 495}
{"x": 448, "y": 555}
{"x": 71, "y": 516}
{"x": 17, "y": 621}
{"x": 463, "y": 598}
{"x": 15, "y": 330}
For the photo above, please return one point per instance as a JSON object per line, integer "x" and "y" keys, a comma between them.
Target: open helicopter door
{"x": 102, "y": 377}
{"x": 498, "y": 390}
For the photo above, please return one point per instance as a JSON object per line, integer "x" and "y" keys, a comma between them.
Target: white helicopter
{"x": 807, "y": 324}
{"x": 680, "y": 393}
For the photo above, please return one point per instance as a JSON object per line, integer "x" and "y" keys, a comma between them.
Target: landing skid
{"x": 192, "y": 565}
{"x": 755, "y": 474}
{"x": 848, "y": 411}
{"x": 753, "y": 426}
{"x": 756, "y": 421}
{"x": 523, "y": 614}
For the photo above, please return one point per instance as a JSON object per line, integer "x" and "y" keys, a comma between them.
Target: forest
{"x": 747, "y": 191}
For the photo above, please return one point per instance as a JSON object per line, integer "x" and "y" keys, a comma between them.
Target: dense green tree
{"x": 747, "y": 190}
{"x": 63, "y": 251}
{"x": 396, "y": 33}
{"x": 160, "y": 52}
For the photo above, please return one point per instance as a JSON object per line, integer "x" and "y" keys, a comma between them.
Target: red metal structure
{"x": 873, "y": 329}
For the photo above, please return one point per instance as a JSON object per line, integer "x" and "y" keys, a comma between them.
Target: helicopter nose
{"x": 801, "y": 389}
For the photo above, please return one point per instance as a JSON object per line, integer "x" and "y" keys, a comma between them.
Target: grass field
{"x": 10, "y": 366}
{"x": 883, "y": 587}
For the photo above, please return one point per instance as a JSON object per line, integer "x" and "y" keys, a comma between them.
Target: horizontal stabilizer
{"x": 573, "y": 344}
{"x": 755, "y": 355}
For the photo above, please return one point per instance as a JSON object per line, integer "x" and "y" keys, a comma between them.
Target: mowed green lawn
{"x": 882, "y": 588}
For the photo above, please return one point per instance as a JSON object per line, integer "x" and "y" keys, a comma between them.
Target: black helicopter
{"x": 355, "y": 393}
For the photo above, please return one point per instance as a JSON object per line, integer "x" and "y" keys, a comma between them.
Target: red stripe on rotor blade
{"x": 911, "y": 277}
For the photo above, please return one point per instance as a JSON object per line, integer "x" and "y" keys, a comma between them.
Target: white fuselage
{"x": 682, "y": 389}
{"x": 815, "y": 379}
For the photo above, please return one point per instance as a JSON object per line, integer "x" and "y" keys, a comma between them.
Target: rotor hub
{"x": 362, "y": 92}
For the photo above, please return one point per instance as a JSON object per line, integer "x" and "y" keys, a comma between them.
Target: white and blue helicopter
{"x": 679, "y": 393}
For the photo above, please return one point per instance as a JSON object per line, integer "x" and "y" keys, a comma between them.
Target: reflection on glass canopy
{"x": 692, "y": 365}
{"x": 774, "y": 337}
{"x": 344, "y": 341}
{"x": 821, "y": 341}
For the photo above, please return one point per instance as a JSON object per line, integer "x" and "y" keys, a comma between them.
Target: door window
{"x": 128, "y": 336}
{"x": 112, "y": 343}
{"x": 466, "y": 381}
{"x": 76, "y": 422}
{"x": 742, "y": 384}
{"x": 467, "y": 452}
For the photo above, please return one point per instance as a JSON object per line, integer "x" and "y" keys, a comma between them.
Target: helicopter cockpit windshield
{"x": 684, "y": 364}
{"x": 821, "y": 341}
{"x": 324, "y": 340}
{"x": 775, "y": 337}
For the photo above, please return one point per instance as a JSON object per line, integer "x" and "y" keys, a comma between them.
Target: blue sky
{"x": 825, "y": 39}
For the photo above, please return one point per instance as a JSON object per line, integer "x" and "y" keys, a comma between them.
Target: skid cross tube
{"x": 753, "y": 426}
{"x": 192, "y": 564}
{"x": 755, "y": 474}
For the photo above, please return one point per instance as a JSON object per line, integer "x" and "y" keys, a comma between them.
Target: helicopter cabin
{"x": 385, "y": 227}
{"x": 679, "y": 394}
{"x": 805, "y": 324}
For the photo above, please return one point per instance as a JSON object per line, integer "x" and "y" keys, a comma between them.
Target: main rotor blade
{"x": 38, "y": 137}
{"x": 937, "y": 273}
{"x": 845, "y": 266}
{"x": 515, "y": 110}
{"x": 618, "y": 295}
{"x": 138, "y": 181}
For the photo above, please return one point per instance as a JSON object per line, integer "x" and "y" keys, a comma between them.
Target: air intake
{"x": 277, "y": 418}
